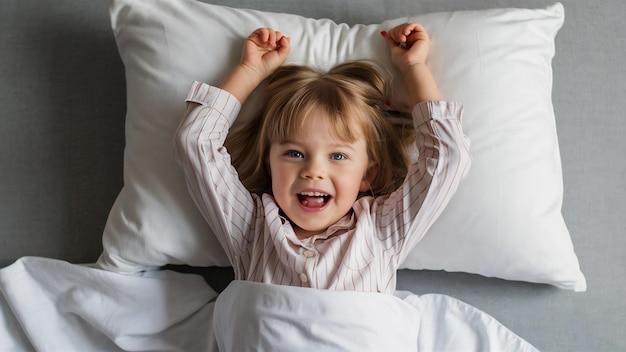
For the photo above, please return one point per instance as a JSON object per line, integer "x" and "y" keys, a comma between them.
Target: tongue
{"x": 311, "y": 201}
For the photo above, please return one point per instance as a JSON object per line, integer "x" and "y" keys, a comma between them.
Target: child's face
{"x": 316, "y": 177}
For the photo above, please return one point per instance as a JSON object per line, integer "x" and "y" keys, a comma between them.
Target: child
{"x": 332, "y": 213}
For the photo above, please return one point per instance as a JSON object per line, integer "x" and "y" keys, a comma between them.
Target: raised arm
{"x": 409, "y": 45}
{"x": 263, "y": 52}
{"x": 444, "y": 159}
{"x": 212, "y": 181}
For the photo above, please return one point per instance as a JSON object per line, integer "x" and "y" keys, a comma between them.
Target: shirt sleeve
{"x": 212, "y": 181}
{"x": 443, "y": 161}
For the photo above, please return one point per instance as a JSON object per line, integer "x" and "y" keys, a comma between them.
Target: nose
{"x": 314, "y": 169}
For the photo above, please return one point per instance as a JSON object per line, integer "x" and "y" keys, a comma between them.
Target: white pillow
{"x": 505, "y": 220}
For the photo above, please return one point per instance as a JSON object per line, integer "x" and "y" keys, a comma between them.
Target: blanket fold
{"x": 52, "y": 305}
{"x": 251, "y": 316}
{"x": 66, "y": 307}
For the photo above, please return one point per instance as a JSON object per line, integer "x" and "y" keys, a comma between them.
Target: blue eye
{"x": 294, "y": 154}
{"x": 338, "y": 156}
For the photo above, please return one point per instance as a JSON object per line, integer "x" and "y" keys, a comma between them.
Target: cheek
{"x": 351, "y": 183}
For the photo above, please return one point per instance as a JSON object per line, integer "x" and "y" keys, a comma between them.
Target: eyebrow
{"x": 347, "y": 145}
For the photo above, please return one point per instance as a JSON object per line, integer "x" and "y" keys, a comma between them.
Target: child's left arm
{"x": 444, "y": 157}
{"x": 409, "y": 45}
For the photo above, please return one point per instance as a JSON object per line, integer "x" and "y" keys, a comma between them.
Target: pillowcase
{"x": 505, "y": 220}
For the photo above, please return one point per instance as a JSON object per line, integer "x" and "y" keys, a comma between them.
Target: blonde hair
{"x": 351, "y": 94}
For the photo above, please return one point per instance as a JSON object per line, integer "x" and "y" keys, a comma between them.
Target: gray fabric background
{"x": 62, "y": 105}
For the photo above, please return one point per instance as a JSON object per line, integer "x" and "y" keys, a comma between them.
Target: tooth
{"x": 314, "y": 194}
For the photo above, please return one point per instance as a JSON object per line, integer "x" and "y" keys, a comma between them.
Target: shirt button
{"x": 303, "y": 278}
{"x": 308, "y": 253}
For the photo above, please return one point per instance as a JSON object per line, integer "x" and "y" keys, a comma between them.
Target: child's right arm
{"x": 263, "y": 52}
{"x": 212, "y": 181}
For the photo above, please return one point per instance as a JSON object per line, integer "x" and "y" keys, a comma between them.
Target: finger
{"x": 394, "y": 40}
{"x": 419, "y": 32}
{"x": 262, "y": 34}
{"x": 389, "y": 38}
{"x": 284, "y": 47}
{"x": 394, "y": 34}
{"x": 417, "y": 36}
{"x": 279, "y": 38}
{"x": 271, "y": 38}
{"x": 408, "y": 28}
{"x": 399, "y": 33}
{"x": 259, "y": 36}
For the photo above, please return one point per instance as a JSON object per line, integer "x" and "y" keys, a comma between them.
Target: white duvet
{"x": 51, "y": 305}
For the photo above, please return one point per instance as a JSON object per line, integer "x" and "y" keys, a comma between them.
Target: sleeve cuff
{"x": 204, "y": 94}
{"x": 437, "y": 110}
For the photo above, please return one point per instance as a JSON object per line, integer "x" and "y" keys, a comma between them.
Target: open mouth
{"x": 313, "y": 199}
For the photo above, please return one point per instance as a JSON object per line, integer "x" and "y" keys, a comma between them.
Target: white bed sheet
{"x": 51, "y": 305}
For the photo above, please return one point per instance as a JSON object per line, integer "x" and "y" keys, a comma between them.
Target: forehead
{"x": 339, "y": 126}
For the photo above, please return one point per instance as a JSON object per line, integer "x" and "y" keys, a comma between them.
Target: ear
{"x": 369, "y": 177}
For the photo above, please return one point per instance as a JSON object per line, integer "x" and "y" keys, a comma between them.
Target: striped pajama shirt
{"x": 363, "y": 250}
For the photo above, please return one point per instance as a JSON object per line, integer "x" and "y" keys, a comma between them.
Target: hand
{"x": 409, "y": 44}
{"x": 264, "y": 51}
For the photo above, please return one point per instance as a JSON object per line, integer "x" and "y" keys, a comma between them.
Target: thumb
{"x": 393, "y": 44}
